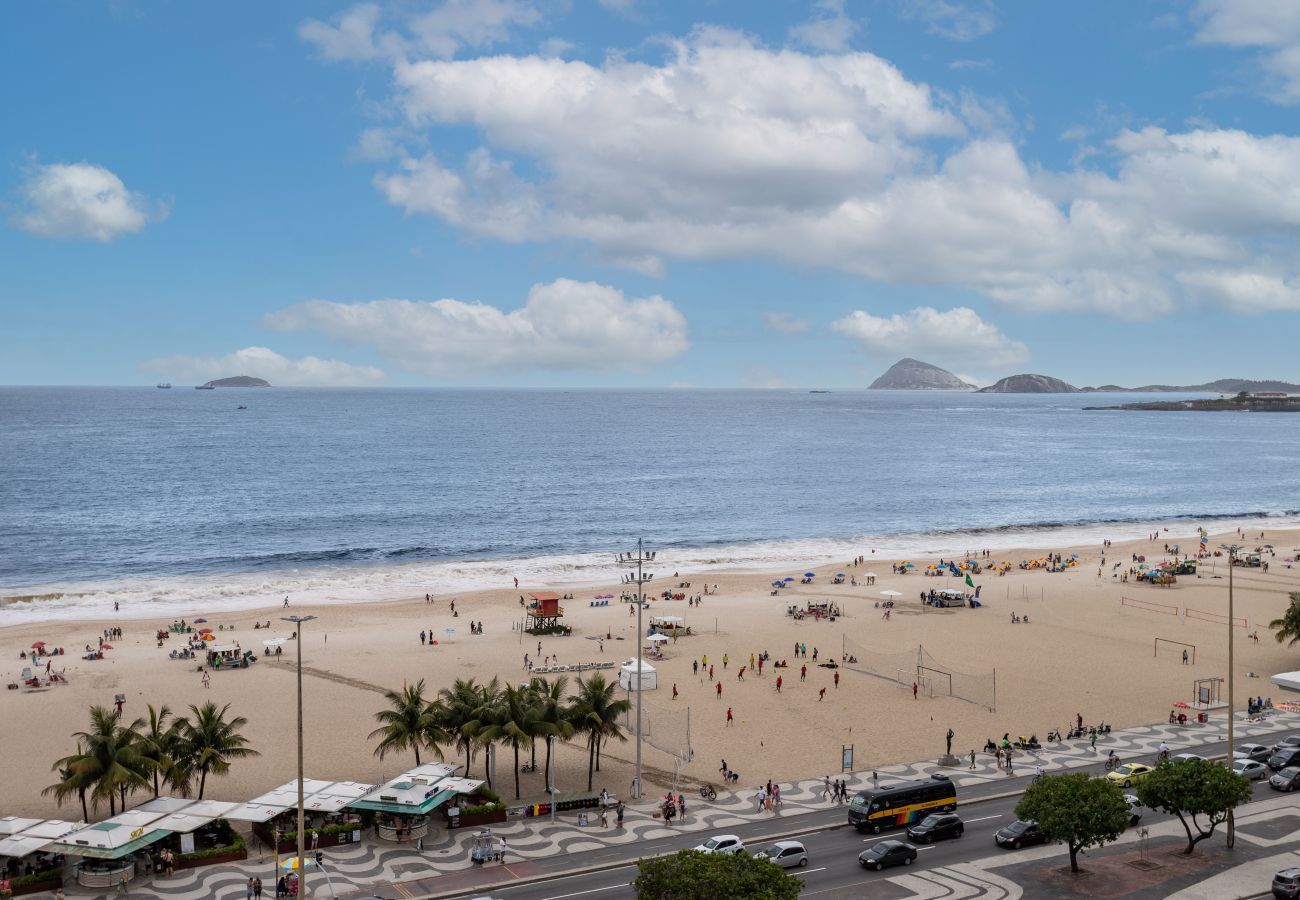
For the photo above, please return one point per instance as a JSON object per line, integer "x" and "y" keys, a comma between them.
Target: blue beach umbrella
{"x": 789, "y": 578}
{"x": 809, "y": 574}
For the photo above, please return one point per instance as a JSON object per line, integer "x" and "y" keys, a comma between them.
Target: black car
{"x": 1286, "y": 884}
{"x": 1287, "y": 756}
{"x": 937, "y": 827}
{"x": 1020, "y": 833}
{"x": 1286, "y": 780}
{"x": 887, "y": 853}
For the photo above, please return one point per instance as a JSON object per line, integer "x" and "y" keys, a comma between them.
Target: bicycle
{"x": 1112, "y": 762}
{"x": 708, "y": 792}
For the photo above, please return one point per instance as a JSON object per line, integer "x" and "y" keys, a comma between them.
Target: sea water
{"x": 168, "y": 501}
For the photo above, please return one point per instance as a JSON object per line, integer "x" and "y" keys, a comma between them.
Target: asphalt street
{"x": 833, "y": 846}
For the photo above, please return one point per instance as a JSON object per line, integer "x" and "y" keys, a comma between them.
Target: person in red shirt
{"x": 837, "y": 680}
{"x": 803, "y": 673}
{"x": 778, "y": 684}
{"x": 729, "y": 716}
{"x": 719, "y": 690}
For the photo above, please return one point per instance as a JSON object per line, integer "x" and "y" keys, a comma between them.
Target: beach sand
{"x": 1083, "y": 652}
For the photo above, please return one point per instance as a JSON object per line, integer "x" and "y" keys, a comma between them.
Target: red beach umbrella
{"x": 105, "y": 646}
{"x": 38, "y": 645}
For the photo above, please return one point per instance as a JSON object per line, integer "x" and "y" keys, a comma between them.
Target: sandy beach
{"x": 1082, "y": 652}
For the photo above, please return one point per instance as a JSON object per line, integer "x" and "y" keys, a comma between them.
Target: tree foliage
{"x": 1287, "y": 628}
{"x": 691, "y": 875}
{"x": 1191, "y": 788}
{"x": 1078, "y": 810}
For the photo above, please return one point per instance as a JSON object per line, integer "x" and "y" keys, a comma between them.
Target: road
{"x": 832, "y": 845}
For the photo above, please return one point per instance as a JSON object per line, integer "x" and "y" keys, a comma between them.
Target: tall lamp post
{"x": 299, "y": 621}
{"x": 639, "y": 558}
{"x": 1233, "y": 550}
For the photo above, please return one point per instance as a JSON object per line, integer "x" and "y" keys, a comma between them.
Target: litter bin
{"x": 1202, "y": 718}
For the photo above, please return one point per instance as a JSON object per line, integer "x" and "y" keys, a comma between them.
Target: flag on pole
{"x": 969, "y": 583}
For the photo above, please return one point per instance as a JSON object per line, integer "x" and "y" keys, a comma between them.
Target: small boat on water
{"x": 165, "y": 386}
{"x": 241, "y": 407}
{"x": 204, "y": 387}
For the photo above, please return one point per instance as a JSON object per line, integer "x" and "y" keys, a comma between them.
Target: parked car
{"x": 1177, "y": 757}
{"x": 1135, "y": 808}
{"x": 1287, "y": 883}
{"x": 722, "y": 843}
{"x": 1020, "y": 833}
{"x": 1283, "y": 758}
{"x": 887, "y": 853}
{"x": 1286, "y": 780}
{"x": 785, "y": 854}
{"x": 1290, "y": 741}
{"x": 1129, "y": 774}
{"x": 1257, "y": 752}
{"x": 1249, "y": 768}
{"x": 936, "y": 827}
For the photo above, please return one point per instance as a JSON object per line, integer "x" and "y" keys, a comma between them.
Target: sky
{"x": 624, "y": 193}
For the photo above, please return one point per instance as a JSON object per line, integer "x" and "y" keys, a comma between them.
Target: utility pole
{"x": 640, "y": 578}
{"x": 298, "y": 622}
{"x": 1233, "y": 550}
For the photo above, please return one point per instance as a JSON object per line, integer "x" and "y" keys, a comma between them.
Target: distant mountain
{"x": 238, "y": 381}
{"x": 1222, "y": 386}
{"x": 913, "y": 375}
{"x": 1029, "y": 384}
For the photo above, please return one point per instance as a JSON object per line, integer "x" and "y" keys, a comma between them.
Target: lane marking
{"x": 810, "y": 871}
{"x": 612, "y": 887}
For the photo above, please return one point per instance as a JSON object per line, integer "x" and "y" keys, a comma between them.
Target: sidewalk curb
{"x": 587, "y": 870}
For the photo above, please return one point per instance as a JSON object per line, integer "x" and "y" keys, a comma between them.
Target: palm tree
{"x": 209, "y": 742}
{"x": 159, "y": 744}
{"x": 108, "y": 764}
{"x": 482, "y": 717}
{"x": 410, "y": 723}
{"x": 511, "y": 720}
{"x": 1287, "y": 628}
{"x": 596, "y": 714}
{"x": 455, "y": 709}
{"x": 552, "y": 715}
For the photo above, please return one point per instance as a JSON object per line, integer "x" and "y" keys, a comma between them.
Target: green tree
{"x": 554, "y": 720}
{"x": 160, "y": 743}
{"x": 1190, "y": 788}
{"x": 456, "y": 709}
{"x": 595, "y": 713}
{"x": 512, "y": 720}
{"x": 1287, "y": 628}
{"x": 108, "y": 763}
{"x": 1078, "y": 810}
{"x": 409, "y": 723}
{"x": 689, "y": 875}
{"x": 209, "y": 742}
{"x": 481, "y": 719}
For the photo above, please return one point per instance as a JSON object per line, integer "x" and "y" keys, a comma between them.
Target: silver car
{"x": 1257, "y": 752}
{"x": 1248, "y": 768}
{"x": 786, "y": 854}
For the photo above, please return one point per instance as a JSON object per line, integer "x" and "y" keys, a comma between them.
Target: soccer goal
{"x": 935, "y": 682}
{"x": 1176, "y": 648}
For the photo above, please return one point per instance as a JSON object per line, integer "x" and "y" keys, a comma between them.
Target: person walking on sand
{"x": 674, "y": 690}
{"x": 729, "y": 717}
{"x": 725, "y": 659}
{"x": 821, "y": 695}
{"x": 803, "y": 672}
{"x": 915, "y": 687}
{"x": 837, "y": 681}
{"x": 695, "y": 666}
{"x": 740, "y": 674}
{"x": 718, "y": 689}
{"x": 778, "y": 684}
{"x": 205, "y": 679}
{"x": 751, "y": 660}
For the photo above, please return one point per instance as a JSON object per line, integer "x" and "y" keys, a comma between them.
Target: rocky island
{"x": 1243, "y": 402}
{"x": 913, "y": 375}
{"x": 1029, "y": 384}
{"x": 240, "y": 381}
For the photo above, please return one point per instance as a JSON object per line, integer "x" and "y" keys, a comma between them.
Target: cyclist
{"x": 1164, "y": 752}
{"x": 1038, "y": 771}
{"x": 1111, "y": 759}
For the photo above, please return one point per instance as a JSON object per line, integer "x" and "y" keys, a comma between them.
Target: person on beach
{"x": 972, "y": 758}
{"x": 695, "y": 666}
{"x": 725, "y": 659}
{"x": 821, "y": 695}
{"x": 710, "y": 673}
{"x": 803, "y": 672}
{"x": 674, "y": 690}
{"x": 778, "y": 683}
{"x": 837, "y": 681}
{"x": 205, "y": 680}
{"x": 718, "y": 688}
{"x": 740, "y": 675}
{"x": 915, "y": 687}
{"x": 422, "y": 644}
{"x": 826, "y": 786}
{"x": 729, "y": 717}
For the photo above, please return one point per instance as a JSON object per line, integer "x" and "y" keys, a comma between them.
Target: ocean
{"x": 175, "y": 500}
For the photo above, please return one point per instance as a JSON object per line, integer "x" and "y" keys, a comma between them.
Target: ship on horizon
{"x": 166, "y": 386}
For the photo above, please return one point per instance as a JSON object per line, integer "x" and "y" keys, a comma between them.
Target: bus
{"x": 899, "y": 805}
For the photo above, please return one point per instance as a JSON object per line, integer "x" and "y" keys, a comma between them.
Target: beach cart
{"x": 484, "y": 847}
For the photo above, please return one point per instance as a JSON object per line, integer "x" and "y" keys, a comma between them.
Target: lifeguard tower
{"x": 544, "y": 611}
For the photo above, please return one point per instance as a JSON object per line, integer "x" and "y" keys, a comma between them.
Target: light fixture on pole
{"x": 299, "y": 621}
{"x": 1233, "y": 550}
{"x": 639, "y": 558}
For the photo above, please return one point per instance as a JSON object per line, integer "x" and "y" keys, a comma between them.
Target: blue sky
{"x": 583, "y": 193}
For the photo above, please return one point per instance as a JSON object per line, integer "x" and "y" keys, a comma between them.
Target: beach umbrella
{"x": 275, "y": 642}
{"x": 205, "y": 631}
{"x": 209, "y": 637}
{"x": 199, "y": 621}
{"x": 840, "y": 575}
{"x": 1181, "y": 705}
{"x": 105, "y": 646}
{"x": 292, "y": 863}
{"x": 656, "y": 638}
{"x": 37, "y": 645}
{"x": 778, "y": 584}
{"x": 890, "y": 594}
{"x": 809, "y": 574}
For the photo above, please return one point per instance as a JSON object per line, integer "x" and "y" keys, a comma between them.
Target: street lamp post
{"x": 299, "y": 621}
{"x": 1233, "y": 550}
{"x": 639, "y": 558}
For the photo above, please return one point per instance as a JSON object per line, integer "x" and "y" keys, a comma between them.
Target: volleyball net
{"x": 662, "y": 727}
{"x": 918, "y": 666}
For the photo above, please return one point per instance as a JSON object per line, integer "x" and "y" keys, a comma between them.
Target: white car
{"x": 722, "y": 843}
{"x": 1134, "y": 809}
{"x": 1257, "y": 752}
{"x": 1248, "y": 768}
{"x": 785, "y": 854}
{"x": 1182, "y": 757}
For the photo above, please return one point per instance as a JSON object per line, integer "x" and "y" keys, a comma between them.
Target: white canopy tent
{"x": 1289, "y": 681}
{"x": 628, "y": 679}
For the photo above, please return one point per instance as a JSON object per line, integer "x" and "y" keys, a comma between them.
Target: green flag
{"x": 969, "y": 583}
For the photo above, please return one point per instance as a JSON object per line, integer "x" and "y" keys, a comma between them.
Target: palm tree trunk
{"x": 598, "y": 743}
{"x": 85, "y": 813}
{"x": 515, "y": 745}
{"x": 203, "y": 781}
{"x": 591, "y": 759}
{"x": 417, "y": 755}
{"x": 155, "y": 784}
{"x": 549, "y": 739}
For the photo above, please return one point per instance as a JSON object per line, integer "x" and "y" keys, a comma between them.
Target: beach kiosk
{"x": 628, "y": 680}
{"x": 23, "y": 843}
{"x": 229, "y": 656}
{"x": 544, "y": 611}
{"x": 403, "y": 805}
{"x": 108, "y": 848}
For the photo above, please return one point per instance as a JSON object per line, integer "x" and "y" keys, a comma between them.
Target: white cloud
{"x": 442, "y": 31}
{"x": 260, "y": 362}
{"x": 727, "y": 149}
{"x": 81, "y": 200}
{"x": 565, "y": 325}
{"x": 829, "y": 29}
{"x": 1246, "y": 292}
{"x": 958, "y": 336}
{"x": 784, "y": 323}
{"x": 961, "y": 65}
{"x": 957, "y": 20}
{"x": 1272, "y": 27}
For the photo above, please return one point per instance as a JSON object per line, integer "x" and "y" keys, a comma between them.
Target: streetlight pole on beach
{"x": 638, "y": 558}
{"x": 299, "y": 621}
{"x": 1233, "y": 550}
